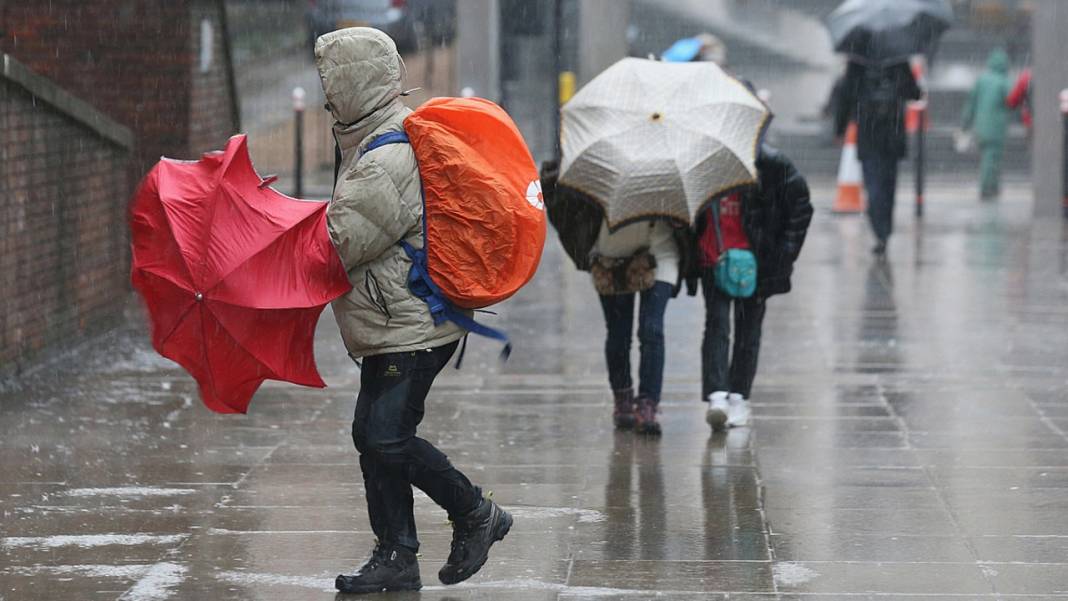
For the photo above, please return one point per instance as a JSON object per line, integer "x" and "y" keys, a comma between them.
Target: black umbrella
{"x": 881, "y": 32}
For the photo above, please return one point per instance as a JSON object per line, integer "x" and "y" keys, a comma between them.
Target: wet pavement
{"x": 910, "y": 442}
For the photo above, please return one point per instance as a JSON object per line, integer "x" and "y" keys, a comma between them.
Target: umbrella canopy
{"x": 682, "y": 51}
{"x": 648, "y": 139}
{"x": 882, "y": 32}
{"x": 704, "y": 46}
{"x": 234, "y": 274}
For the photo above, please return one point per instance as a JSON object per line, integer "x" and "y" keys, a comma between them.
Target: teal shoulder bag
{"x": 736, "y": 268}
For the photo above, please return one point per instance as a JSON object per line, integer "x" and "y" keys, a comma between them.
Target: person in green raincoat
{"x": 987, "y": 115}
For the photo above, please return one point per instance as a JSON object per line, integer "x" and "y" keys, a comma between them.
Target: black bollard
{"x": 921, "y": 156}
{"x": 298, "y": 142}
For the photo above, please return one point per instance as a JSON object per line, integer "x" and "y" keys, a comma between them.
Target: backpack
{"x": 483, "y": 211}
{"x": 882, "y": 98}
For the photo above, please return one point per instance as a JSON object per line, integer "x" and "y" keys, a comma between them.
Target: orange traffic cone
{"x": 850, "y": 177}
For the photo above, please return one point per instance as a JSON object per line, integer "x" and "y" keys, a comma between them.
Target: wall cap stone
{"x": 47, "y": 91}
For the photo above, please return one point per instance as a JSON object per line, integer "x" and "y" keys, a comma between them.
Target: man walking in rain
{"x": 875, "y": 97}
{"x": 377, "y": 203}
{"x": 987, "y": 114}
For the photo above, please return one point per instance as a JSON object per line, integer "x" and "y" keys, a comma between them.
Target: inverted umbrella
{"x": 234, "y": 274}
{"x": 881, "y": 32}
{"x": 649, "y": 139}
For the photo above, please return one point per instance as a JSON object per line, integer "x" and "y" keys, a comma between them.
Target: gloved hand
{"x": 550, "y": 173}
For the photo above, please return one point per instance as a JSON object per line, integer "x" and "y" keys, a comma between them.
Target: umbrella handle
{"x": 267, "y": 181}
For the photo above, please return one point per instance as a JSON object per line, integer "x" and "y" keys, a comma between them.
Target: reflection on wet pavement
{"x": 910, "y": 442}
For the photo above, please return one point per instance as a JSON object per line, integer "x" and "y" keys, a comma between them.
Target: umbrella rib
{"x": 163, "y": 276}
{"x": 222, "y": 277}
{"x": 178, "y": 321}
{"x": 170, "y": 226}
{"x": 204, "y": 346}
{"x": 235, "y": 339}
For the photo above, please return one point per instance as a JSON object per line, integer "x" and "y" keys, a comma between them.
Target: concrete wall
{"x": 64, "y": 253}
{"x": 478, "y": 48}
{"x": 1050, "y": 77}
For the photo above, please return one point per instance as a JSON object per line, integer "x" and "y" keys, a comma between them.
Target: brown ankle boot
{"x": 645, "y": 417}
{"x": 623, "y": 415}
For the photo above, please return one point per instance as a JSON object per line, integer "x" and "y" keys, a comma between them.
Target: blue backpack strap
{"x": 424, "y": 288}
{"x": 390, "y": 137}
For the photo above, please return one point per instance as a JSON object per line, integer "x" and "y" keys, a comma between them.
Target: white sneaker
{"x": 718, "y": 409}
{"x": 738, "y": 412}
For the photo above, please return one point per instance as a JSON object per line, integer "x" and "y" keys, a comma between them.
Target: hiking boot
{"x": 472, "y": 537}
{"x": 718, "y": 408}
{"x": 388, "y": 569}
{"x": 645, "y": 417}
{"x": 623, "y": 415}
{"x": 738, "y": 414}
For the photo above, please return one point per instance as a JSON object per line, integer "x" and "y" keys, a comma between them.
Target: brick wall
{"x": 135, "y": 60}
{"x": 63, "y": 242}
{"x": 64, "y": 188}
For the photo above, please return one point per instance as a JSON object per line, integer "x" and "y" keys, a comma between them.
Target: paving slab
{"x": 909, "y": 443}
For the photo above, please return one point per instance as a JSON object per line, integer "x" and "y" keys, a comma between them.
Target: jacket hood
{"x": 998, "y": 61}
{"x": 360, "y": 71}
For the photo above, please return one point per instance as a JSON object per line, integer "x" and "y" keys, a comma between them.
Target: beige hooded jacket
{"x": 377, "y": 200}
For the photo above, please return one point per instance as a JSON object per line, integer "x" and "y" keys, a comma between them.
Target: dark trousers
{"x": 619, "y": 321}
{"x": 720, "y": 370}
{"x": 880, "y": 181}
{"x": 393, "y": 388}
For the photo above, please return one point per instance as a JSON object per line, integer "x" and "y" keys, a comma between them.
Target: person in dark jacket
{"x": 580, "y": 221}
{"x": 771, "y": 220}
{"x": 875, "y": 97}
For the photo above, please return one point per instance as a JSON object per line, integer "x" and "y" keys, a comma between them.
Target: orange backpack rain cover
{"x": 484, "y": 212}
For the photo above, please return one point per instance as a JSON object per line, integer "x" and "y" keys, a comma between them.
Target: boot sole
{"x": 650, "y": 430}
{"x": 501, "y": 531}
{"x": 363, "y": 590}
{"x": 624, "y": 423}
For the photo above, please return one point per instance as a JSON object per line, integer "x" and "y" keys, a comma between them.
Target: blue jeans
{"x": 619, "y": 320}
{"x": 880, "y": 181}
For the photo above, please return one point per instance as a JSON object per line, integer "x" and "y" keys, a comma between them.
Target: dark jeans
{"x": 393, "y": 388}
{"x": 880, "y": 181}
{"x": 720, "y": 371}
{"x": 619, "y": 320}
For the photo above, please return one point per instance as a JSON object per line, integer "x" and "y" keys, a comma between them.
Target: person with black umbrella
{"x": 879, "y": 37}
{"x": 875, "y": 96}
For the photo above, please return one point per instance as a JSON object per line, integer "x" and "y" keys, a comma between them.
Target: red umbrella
{"x": 234, "y": 274}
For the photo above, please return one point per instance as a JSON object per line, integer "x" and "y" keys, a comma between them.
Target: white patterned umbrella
{"x": 649, "y": 139}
